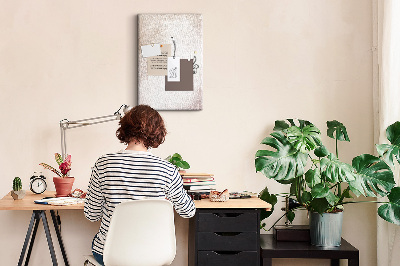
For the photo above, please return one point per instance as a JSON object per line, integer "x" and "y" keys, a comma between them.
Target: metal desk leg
{"x": 33, "y": 224}
{"x": 37, "y": 218}
{"x": 48, "y": 236}
{"x": 53, "y": 216}
{"x": 28, "y": 236}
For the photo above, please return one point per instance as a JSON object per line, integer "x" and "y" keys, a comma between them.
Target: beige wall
{"x": 264, "y": 60}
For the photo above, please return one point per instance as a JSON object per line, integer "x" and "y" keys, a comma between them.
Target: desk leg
{"x": 48, "y": 236}
{"x": 335, "y": 262}
{"x": 353, "y": 262}
{"x": 60, "y": 242}
{"x": 28, "y": 236}
{"x": 267, "y": 262}
{"x": 28, "y": 256}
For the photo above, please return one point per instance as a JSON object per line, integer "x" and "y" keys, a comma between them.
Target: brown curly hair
{"x": 143, "y": 124}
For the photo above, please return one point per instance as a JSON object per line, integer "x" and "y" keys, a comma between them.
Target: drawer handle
{"x": 227, "y": 214}
{"x": 227, "y": 233}
{"x": 227, "y": 252}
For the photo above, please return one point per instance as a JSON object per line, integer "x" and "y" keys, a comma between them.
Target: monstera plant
{"x": 319, "y": 181}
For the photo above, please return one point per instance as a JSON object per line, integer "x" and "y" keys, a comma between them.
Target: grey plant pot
{"x": 326, "y": 229}
{"x": 17, "y": 195}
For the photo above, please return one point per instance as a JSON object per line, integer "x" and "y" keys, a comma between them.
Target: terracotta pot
{"x": 63, "y": 185}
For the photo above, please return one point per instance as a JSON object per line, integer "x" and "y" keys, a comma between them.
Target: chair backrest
{"x": 141, "y": 232}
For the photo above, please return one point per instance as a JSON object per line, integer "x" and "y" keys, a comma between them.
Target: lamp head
{"x": 122, "y": 111}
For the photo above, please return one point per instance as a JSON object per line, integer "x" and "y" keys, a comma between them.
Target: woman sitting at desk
{"x": 133, "y": 173}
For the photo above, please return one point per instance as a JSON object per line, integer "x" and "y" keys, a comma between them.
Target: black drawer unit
{"x": 224, "y": 237}
{"x": 213, "y": 258}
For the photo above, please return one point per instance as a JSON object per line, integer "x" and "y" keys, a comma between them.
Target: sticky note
{"x": 151, "y": 50}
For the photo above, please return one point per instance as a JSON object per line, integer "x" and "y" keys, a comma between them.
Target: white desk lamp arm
{"x": 66, "y": 124}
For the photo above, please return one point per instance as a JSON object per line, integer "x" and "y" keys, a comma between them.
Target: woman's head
{"x": 142, "y": 124}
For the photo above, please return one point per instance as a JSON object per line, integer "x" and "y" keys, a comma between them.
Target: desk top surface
{"x": 250, "y": 203}
{"x": 27, "y": 203}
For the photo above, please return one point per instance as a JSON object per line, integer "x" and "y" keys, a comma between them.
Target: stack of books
{"x": 198, "y": 182}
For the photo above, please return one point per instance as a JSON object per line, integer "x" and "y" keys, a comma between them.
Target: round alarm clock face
{"x": 38, "y": 185}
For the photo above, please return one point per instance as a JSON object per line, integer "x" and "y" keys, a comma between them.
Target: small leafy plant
{"x": 319, "y": 181}
{"x": 17, "y": 184}
{"x": 63, "y": 165}
{"x": 176, "y": 159}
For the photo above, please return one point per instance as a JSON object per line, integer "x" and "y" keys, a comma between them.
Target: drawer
{"x": 212, "y": 258}
{"x": 221, "y": 241}
{"x": 228, "y": 222}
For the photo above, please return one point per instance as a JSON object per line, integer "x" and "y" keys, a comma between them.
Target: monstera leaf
{"x": 321, "y": 190}
{"x": 373, "y": 176}
{"x": 285, "y": 163}
{"x": 391, "y": 211}
{"x": 388, "y": 151}
{"x": 271, "y": 199}
{"x": 321, "y": 151}
{"x": 336, "y": 171}
{"x": 304, "y": 139}
{"x": 312, "y": 177}
{"x": 337, "y": 130}
{"x": 281, "y": 125}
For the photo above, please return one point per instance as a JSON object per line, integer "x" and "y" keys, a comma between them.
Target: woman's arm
{"x": 183, "y": 204}
{"x": 94, "y": 200}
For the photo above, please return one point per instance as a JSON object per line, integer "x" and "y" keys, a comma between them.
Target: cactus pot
{"x": 63, "y": 185}
{"x": 17, "y": 195}
{"x": 326, "y": 229}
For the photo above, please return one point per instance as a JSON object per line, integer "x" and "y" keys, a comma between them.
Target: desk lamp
{"x": 66, "y": 124}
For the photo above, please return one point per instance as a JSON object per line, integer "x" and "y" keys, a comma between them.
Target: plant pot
{"x": 63, "y": 185}
{"x": 17, "y": 195}
{"x": 326, "y": 229}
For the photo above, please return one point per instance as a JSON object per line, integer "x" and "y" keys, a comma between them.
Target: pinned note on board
{"x": 151, "y": 50}
{"x": 174, "y": 69}
{"x": 186, "y": 79}
{"x": 157, "y": 65}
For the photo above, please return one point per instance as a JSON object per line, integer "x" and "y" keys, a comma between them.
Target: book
{"x": 198, "y": 188}
{"x": 196, "y": 176}
{"x": 201, "y": 183}
{"x": 193, "y": 180}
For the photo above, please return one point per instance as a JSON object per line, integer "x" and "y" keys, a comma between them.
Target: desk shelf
{"x": 270, "y": 248}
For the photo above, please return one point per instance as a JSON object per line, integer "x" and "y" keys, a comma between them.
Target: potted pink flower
{"x": 62, "y": 181}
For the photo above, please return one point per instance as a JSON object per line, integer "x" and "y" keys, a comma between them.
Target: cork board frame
{"x": 184, "y": 32}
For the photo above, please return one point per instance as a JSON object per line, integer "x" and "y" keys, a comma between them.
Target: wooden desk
{"x": 234, "y": 211}
{"x": 27, "y": 203}
{"x": 250, "y": 203}
{"x": 226, "y": 233}
{"x": 38, "y": 213}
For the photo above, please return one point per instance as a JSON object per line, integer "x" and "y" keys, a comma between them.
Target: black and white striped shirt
{"x": 131, "y": 175}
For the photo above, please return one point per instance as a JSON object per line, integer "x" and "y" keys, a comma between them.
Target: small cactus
{"x": 17, "y": 184}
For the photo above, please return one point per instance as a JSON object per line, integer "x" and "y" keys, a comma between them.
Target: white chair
{"x": 141, "y": 232}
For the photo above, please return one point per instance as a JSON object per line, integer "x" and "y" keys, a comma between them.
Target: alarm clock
{"x": 38, "y": 183}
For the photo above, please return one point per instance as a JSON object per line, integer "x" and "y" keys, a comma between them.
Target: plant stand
{"x": 270, "y": 248}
